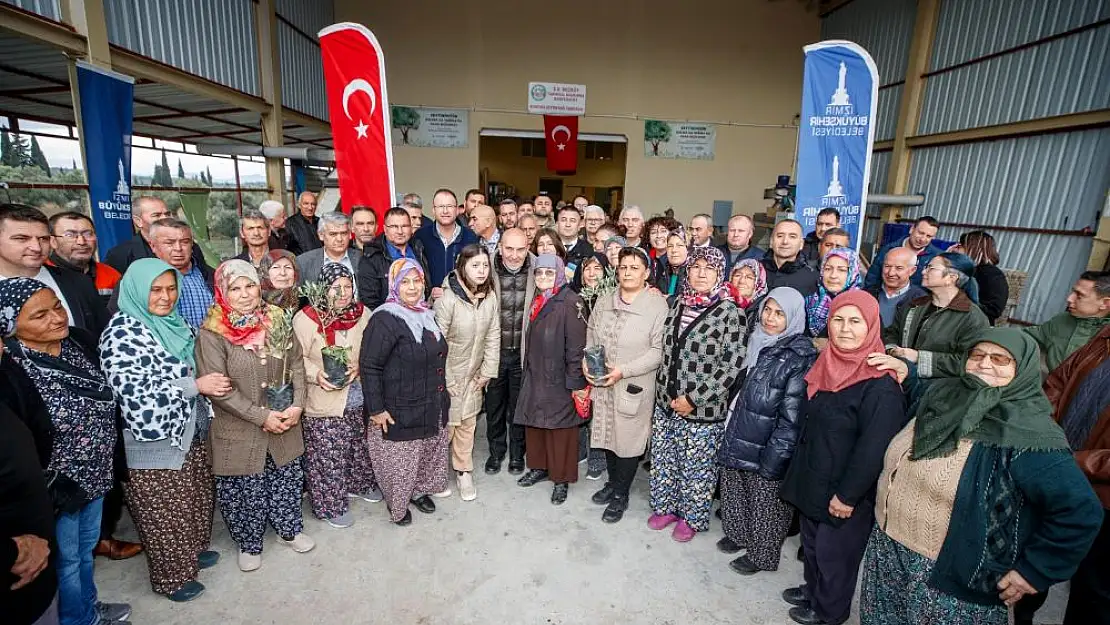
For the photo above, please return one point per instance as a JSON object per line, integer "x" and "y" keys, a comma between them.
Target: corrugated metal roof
{"x": 308, "y": 15}
{"x": 968, "y": 29}
{"x": 880, "y": 170}
{"x": 883, "y": 27}
{"x": 46, "y": 8}
{"x": 302, "y": 73}
{"x": 1063, "y": 76}
{"x": 1053, "y": 182}
{"x": 886, "y": 114}
{"x": 214, "y": 39}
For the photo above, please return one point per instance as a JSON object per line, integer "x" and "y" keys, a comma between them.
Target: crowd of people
{"x": 873, "y": 408}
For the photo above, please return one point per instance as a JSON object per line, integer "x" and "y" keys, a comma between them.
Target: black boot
{"x": 516, "y": 466}
{"x": 493, "y": 465}
{"x": 603, "y": 496}
{"x": 743, "y": 566}
{"x": 796, "y": 596}
{"x": 531, "y": 478}
{"x": 806, "y": 616}
{"x": 614, "y": 512}
{"x": 559, "y": 494}
{"x": 424, "y": 504}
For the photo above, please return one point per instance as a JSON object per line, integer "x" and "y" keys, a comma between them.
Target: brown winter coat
{"x": 473, "y": 334}
{"x": 633, "y": 341}
{"x": 321, "y": 403}
{"x": 553, "y": 365}
{"x": 239, "y": 444}
{"x": 1060, "y": 387}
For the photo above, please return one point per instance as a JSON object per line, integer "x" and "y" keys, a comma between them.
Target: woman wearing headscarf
{"x": 701, "y": 348}
{"x": 147, "y": 354}
{"x": 839, "y": 273}
{"x": 628, "y": 324}
{"x": 980, "y": 501}
{"x": 764, "y": 422}
{"x": 593, "y": 278}
{"x": 854, "y": 409}
{"x": 930, "y": 333}
{"x": 280, "y": 277}
{"x": 256, "y": 440}
{"x": 62, "y": 364}
{"x": 403, "y": 362}
{"x": 469, "y": 316}
{"x": 750, "y": 279}
{"x": 337, "y": 464}
{"x": 669, "y": 273}
{"x": 552, "y": 381}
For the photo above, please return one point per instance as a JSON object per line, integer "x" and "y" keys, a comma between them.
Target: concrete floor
{"x": 509, "y": 557}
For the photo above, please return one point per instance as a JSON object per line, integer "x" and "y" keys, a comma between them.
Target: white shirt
{"x": 44, "y": 277}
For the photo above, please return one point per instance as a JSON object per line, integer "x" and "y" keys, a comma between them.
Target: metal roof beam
{"x": 1044, "y": 125}
{"x": 26, "y": 24}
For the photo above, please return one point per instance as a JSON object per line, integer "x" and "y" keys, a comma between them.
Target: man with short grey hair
{"x": 701, "y": 230}
{"x": 304, "y": 225}
{"x": 334, "y": 232}
{"x": 414, "y": 206}
{"x": 593, "y": 216}
{"x": 172, "y": 242}
{"x": 145, "y": 210}
{"x": 632, "y": 218}
{"x": 254, "y": 229}
{"x": 279, "y": 239}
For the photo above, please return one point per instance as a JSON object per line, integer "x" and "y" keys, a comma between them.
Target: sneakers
{"x": 341, "y": 521}
{"x": 443, "y": 494}
{"x": 661, "y": 521}
{"x": 301, "y": 543}
{"x": 683, "y": 533}
{"x": 113, "y": 612}
{"x": 249, "y": 561}
{"x": 374, "y": 496}
{"x": 207, "y": 559}
{"x": 189, "y": 590}
{"x": 466, "y": 486}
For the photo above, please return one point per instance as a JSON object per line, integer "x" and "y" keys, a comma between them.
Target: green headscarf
{"x": 1016, "y": 416}
{"x": 134, "y": 296}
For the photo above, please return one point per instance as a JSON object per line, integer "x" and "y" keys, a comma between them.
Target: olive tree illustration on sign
{"x": 405, "y": 118}
{"x": 656, "y": 132}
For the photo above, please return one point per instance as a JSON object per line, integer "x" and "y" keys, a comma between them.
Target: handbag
{"x": 66, "y": 495}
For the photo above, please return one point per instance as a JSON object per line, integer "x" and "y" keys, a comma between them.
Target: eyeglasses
{"x": 998, "y": 360}
{"x": 548, "y": 273}
{"x": 75, "y": 234}
{"x": 444, "y": 207}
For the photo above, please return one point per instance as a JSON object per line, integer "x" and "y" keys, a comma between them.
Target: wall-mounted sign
{"x": 430, "y": 128}
{"x": 554, "y": 98}
{"x": 679, "y": 140}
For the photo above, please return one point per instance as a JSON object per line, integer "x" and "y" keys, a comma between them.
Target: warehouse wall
{"x": 705, "y": 60}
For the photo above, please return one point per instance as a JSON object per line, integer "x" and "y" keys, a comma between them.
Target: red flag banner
{"x": 354, "y": 70}
{"x": 561, "y": 137}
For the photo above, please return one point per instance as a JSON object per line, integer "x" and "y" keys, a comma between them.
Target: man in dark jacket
{"x": 395, "y": 243}
{"x": 737, "y": 245}
{"x": 515, "y": 288}
{"x": 827, "y": 218}
{"x": 303, "y": 226}
{"x": 920, "y": 241}
{"x": 145, "y": 210}
{"x": 567, "y": 222}
{"x": 785, "y": 263}
{"x": 443, "y": 239}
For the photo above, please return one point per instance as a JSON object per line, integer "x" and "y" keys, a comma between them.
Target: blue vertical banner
{"x": 839, "y": 94}
{"x": 106, "y": 100}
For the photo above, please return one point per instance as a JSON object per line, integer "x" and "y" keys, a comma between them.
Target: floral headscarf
{"x": 345, "y": 318}
{"x": 282, "y": 298}
{"x": 818, "y": 303}
{"x": 247, "y": 330}
{"x": 720, "y": 290}
{"x": 418, "y": 317}
{"x": 760, "y": 289}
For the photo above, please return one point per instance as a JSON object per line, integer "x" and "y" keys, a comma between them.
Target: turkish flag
{"x": 561, "y": 136}
{"x": 354, "y": 70}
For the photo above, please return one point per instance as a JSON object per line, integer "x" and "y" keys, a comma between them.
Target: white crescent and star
{"x": 355, "y": 86}
{"x": 555, "y": 131}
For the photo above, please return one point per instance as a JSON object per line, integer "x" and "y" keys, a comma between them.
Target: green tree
{"x": 16, "y": 151}
{"x": 656, "y": 132}
{"x": 6, "y": 150}
{"x": 209, "y": 170}
{"x": 74, "y": 164}
{"x": 38, "y": 159}
{"x": 405, "y": 118}
{"x": 180, "y": 170}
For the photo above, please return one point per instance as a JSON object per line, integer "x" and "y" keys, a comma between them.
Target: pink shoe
{"x": 661, "y": 521}
{"x": 683, "y": 533}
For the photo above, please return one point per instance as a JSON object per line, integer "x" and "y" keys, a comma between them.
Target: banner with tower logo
{"x": 105, "y": 106}
{"x": 839, "y": 94}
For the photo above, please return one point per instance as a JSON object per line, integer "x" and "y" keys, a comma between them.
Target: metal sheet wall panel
{"x": 883, "y": 27}
{"x": 1062, "y": 76}
{"x": 886, "y": 115}
{"x": 880, "y": 170}
{"x": 968, "y": 29}
{"x": 214, "y": 39}
{"x": 46, "y": 8}
{"x": 1052, "y": 182}
{"x": 302, "y": 73}
{"x": 308, "y": 15}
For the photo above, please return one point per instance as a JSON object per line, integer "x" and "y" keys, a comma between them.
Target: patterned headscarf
{"x": 14, "y": 293}
{"x": 347, "y": 317}
{"x": 285, "y": 299}
{"x": 760, "y": 289}
{"x": 245, "y": 330}
{"x": 550, "y": 261}
{"x": 418, "y": 317}
{"x": 819, "y": 302}
{"x": 720, "y": 289}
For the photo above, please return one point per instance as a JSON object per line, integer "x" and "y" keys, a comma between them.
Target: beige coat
{"x": 633, "y": 340}
{"x": 473, "y": 335}
{"x": 323, "y": 403}
{"x": 239, "y": 444}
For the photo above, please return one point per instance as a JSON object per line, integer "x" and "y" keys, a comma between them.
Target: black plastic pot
{"x": 595, "y": 361}
{"x": 335, "y": 370}
{"x": 279, "y": 397}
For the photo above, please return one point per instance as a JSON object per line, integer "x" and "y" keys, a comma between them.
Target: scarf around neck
{"x": 837, "y": 369}
{"x": 793, "y": 306}
{"x": 760, "y": 289}
{"x": 720, "y": 289}
{"x": 247, "y": 330}
{"x": 171, "y": 331}
{"x": 345, "y": 318}
{"x": 818, "y": 303}
{"x": 418, "y": 317}
{"x": 287, "y": 298}
{"x": 548, "y": 261}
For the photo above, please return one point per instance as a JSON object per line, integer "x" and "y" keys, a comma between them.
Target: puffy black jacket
{"x": 766, "y": 418}
{"x": 515, "y": 292}
{"x": 373, "y": 271}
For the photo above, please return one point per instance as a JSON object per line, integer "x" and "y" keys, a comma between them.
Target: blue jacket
{"x": 766, "y": 418}
{"x": 875, "y": 271}
{"x": 441, "y": 260}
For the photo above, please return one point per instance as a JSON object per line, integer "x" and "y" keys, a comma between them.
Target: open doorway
{"x": 512, "y": 163}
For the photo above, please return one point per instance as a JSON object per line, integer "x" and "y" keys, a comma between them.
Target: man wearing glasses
{"x": 73, "y": 244}
{"x": 443, "y": 239}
